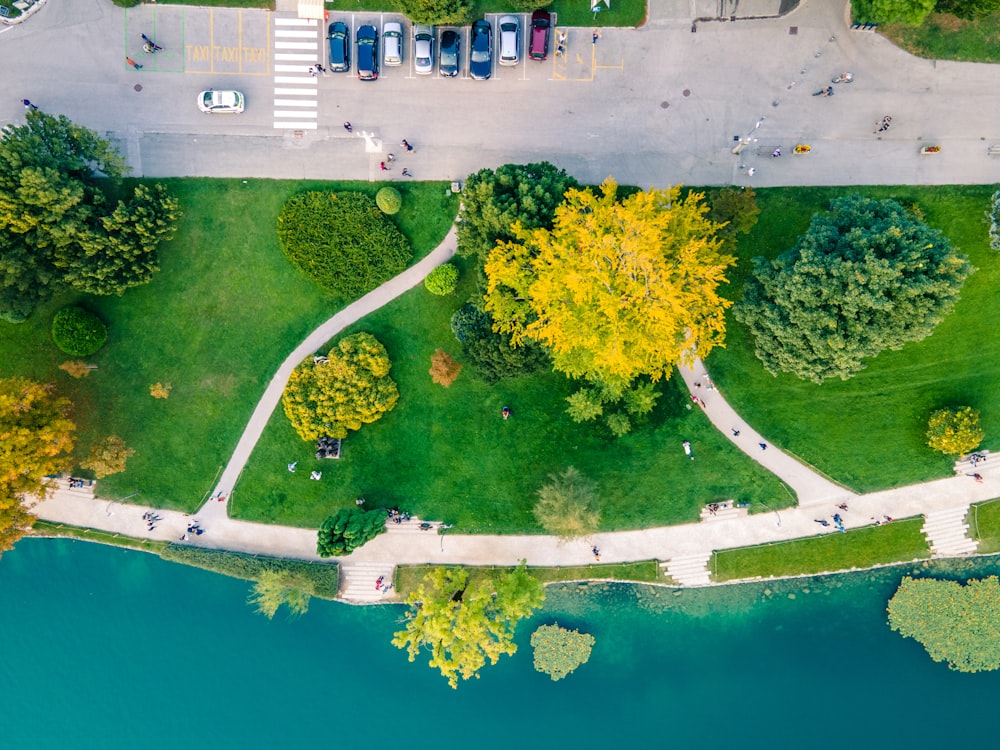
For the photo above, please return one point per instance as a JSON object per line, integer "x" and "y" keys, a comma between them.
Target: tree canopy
{"x": 559, "y": 651}
{"x": 35, "y": 442}
{"x": 348, "y": 529}
{"x": 441, "y": 12}
{"x": 107, "y": 457}
{"x": 955, "y": 431}
{"x": 462, "y": 624}
{"x": 865, "y": 277}
{"x": 58, "y": 229}
{"x": 348, "y": 388}
{"x": 958, "y": 624}
{"x": 275, "y": 588}
{"x": 491, "y": 354}
{"x": 895, "y": 11}
{"x": 568, "y": 505}
{"x": 616, "y": 289}
{"x": 493, "y": 201}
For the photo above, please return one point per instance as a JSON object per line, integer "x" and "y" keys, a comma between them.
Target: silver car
{"x": 392, "y": 44}
{"x": 510, "y": 40}
{"x": 423, "y": 49}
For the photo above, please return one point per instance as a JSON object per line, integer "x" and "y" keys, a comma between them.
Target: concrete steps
{"x": 689, "y": 570}
{"x": 357, "y": 582}
{"x": 947, "y": 532}
{"x": 725, "y": 511}
{"x": 965, "y": 465}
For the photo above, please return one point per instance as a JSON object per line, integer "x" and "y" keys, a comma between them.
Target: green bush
{"x": 323, "y": 578}
{"x": 389, "y": 200}
{"x": 442, "y": 280}
{"x": 348, "y": 529}
{"x": 78, "y": 332}
{"x": 342, "y": 241}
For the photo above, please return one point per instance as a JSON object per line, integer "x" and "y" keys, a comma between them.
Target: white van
{"x": 392, "y": 44}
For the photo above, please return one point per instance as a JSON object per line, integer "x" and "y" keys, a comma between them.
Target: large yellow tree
{"x": 35, "y": 441}
{"x": 616, "y": 289}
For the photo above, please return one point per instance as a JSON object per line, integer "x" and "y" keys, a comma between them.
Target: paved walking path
{"x": 685, "y": 549}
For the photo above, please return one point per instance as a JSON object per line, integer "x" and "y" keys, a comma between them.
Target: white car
{"x": 392, "y": 44}
{"x": 510, "y": 40}
{"x": 221, "y": 102}
{"x": 423, "y": 49}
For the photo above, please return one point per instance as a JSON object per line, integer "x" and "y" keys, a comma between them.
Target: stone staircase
{"x": 726, "y": 511}
{"x": 357, "y": 582}
{"x": 946, "y": 532}
{"x": 689, "y": 570}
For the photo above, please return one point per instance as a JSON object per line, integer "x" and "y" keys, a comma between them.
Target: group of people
{"x": 192, "y": 528}
{"x": 396, "y": 516}
{"x": 150, "y": 518}
{"x": 75, "y": 483}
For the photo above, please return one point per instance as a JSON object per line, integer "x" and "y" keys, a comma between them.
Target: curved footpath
{"x": 685, "y": 549}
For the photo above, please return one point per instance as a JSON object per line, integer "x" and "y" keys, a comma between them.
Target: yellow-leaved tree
{"x": 350, "y": 387}
{"x": 616, "y": 289}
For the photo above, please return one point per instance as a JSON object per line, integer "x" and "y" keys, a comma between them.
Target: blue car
{"x": 368, "y": 53}
{"x": 339, "y": 37}
{"x": 481, "y": 56}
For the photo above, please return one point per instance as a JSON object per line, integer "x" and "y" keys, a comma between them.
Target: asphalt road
{"x": 657, "y": 105}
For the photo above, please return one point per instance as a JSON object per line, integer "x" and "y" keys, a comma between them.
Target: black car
{"x": 367, "y": 53}
{"x": 340, "y": 47}
{"x": 451, "y": 46}
{"x": 481, "y": 57}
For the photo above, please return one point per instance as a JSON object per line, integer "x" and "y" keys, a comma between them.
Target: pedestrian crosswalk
{"x": 297, "y": 47}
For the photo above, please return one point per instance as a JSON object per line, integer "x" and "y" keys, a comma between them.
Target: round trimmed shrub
{"x": 442, "y": 280}
{"x": 342, "y": 241}
{"x": 389, "y": 200}
{"x": 78, "y": 332}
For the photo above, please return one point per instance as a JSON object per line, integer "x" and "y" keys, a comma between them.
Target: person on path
{"x": 383, "y": 167}
{"x": 348, "y": 127}
{"x": 763, "y": 446}
{"x": 596, "y": 553}
{"x": 406, "y": 144}
{"x": 406, "y": 172}
{"x": 752, "y": 171}
{"x": 596, "y": 35}
{"x": 27, "y": 104}
{"x": 133, "y": 63}
{"x": 736, "y": 433}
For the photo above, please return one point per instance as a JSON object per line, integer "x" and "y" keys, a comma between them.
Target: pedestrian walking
{"x": 596, "y": 553}
{"x": 596, "y": 36}
{"x": 312, "y": 71}
{"x": 320, "y": 68}
{"x": 406, "y": 144}
{"x": 383, "y": 167}
{"x": 752, "y": 171}
{"x": 348, "y": 127}
{"x": 390, "y": 158}
{"x": 27, "y": 104}
{"x": 763, "y": 446}
{"x": 133, "y": 63}
{"x": 776, "y": 153}
{"x": 736, "y": 433}
{"x": 406, "y": 172}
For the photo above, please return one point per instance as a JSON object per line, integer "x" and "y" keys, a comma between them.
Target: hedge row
{"x": 342, "y": 241}
{"x": 323, "y": 578}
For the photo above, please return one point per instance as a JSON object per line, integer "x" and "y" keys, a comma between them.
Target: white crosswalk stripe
{"x": 298, "y": 45}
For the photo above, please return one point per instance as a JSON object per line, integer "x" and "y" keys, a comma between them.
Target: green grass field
{"x": 869, "y": 432}
{"x": 446, "y": 454}
{"x": 984, "y": 525}
{"x": 215, "y": 322}
{"x": 859, "y": 548}
{"x": 944, "y": 37}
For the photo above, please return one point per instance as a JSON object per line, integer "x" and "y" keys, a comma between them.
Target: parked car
{"x": 367, "y": 53}
{"x": 339, "y": 37}
{"x": 221, "y": 102}
{"x": 481, "y": 56}
{"x": 392, "y": 44}
{"x": 451, "y": 47}
{"x": 541, "y": 28}
{"x": 510, "y": 40}
{"x": 423, "y": 49}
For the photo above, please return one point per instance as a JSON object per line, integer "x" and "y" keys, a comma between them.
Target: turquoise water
{"x": 106, "y": 648}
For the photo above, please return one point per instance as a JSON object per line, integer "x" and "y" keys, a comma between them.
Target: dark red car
{"x": 541, "y": 28}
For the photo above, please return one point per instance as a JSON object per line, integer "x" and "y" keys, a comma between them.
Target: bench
{"x": 993, "y": 149}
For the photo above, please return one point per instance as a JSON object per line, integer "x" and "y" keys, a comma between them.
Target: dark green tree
{"x": 493, "y": 200}
{"x": 440, "y": 12}
{"x": 57, "y": 227}
{"x": 865, "y": 277}
{"x": 957, "y": 624}
{"x": 490, "y": 354}
{"x": 968, "y": 9}
{"x": 348, "y": 529}
{"x": 735, "y": 210}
